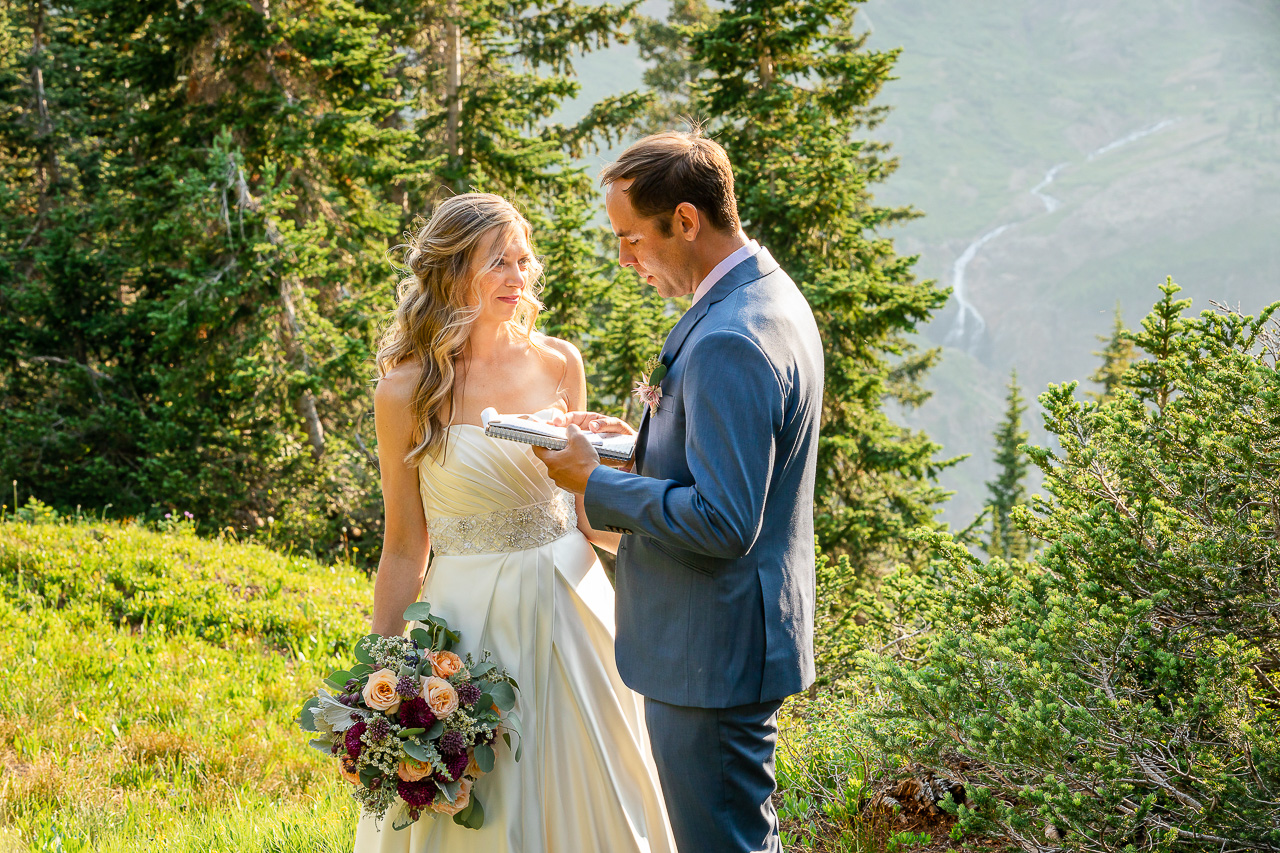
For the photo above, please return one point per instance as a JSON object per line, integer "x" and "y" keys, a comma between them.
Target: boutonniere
{"x": 649, "y": 392}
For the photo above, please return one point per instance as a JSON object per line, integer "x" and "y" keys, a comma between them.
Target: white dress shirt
{"x": 747, "y": 251}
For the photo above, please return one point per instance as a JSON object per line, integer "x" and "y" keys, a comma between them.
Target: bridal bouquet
{"x": 415, "y": 722}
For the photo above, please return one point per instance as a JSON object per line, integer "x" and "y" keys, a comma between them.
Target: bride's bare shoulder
{"x": 397, "y": 386}
{"x": 565, "y": 353}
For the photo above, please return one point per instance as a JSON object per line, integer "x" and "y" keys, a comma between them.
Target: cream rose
{"x": 411, "y": 770}
{"x": 440, "y": 696}
{"x": 459, "y": 803}
{"x": 380, "y": 693}
{"x": 445, "y": 664}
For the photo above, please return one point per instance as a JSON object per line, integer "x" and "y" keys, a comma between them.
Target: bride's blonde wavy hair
{"x": 437, "y": 303}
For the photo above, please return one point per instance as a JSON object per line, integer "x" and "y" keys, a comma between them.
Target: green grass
{"x": 160, "y": 677}
{"x": 155, "y": 677}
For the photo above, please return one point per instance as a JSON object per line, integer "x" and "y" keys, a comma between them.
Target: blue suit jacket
{"x": 715, "y": 579}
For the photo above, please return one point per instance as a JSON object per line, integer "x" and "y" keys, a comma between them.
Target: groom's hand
{"x": 594, "y": 422}
{"x": 570, "y": 468}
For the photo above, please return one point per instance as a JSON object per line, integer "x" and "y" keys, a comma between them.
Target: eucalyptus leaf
{"x": 361, "y": 649}
{"x": 403, "y": 733}
{"x": 419, "y": 611}
{"x": 484, "y": 757}
{"x": 503, "y": 696}
{"x": 306, "y": 717}
{"x": 338, "y": 680}
{"x": 472, "y": 817}
{"x": 413, "y": 749}
{"x": 421, "y": 638}
{"x": 435, "y": 731}
{"x": 481, "y": 668}
{"x": 360, "y": 670}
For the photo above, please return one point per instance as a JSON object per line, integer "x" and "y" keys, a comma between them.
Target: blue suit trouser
{"x": 717, "y": 774}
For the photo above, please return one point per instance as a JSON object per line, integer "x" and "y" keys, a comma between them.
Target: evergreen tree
{"x": 672, "y": 71}
{"x": 1008, "y": 489}
{"x": 1116, "y": 355}
{"x": 195, "y": 211}
{"x": 788, "y": 89}
{"x": 1122, "y": 692}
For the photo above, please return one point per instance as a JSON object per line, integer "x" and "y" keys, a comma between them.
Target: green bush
{"x": 1122, "y": 692}
{"x": 177, "y": 581}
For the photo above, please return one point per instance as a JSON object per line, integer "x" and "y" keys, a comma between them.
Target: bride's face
{"x": 503, "y": 269}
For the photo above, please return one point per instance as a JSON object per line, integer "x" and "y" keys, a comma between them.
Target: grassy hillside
{"x": 161, "y": 674}
{"x": 160, "y": 677}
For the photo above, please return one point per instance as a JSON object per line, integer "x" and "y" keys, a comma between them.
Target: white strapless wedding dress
{"x": 511, "y": 571}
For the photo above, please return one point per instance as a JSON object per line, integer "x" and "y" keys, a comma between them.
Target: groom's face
{"x": 662, "y": 260}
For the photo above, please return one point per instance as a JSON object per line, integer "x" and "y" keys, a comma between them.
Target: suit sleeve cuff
{"x": 601, "y": 500}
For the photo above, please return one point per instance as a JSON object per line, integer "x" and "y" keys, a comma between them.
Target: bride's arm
{"x": 574, "y": 389}
{"x": 404, "y": 542}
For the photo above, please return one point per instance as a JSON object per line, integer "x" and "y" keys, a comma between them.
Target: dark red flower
{"x": 352, "y": 739}
{"x": 417, "y": 794}
{"x": 416, "y": 714}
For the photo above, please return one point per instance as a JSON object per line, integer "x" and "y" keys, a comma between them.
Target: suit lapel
{"x": 753, "y": 268}
{"x": 640, "y": 439}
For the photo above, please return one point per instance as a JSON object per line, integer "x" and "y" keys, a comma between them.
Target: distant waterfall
{"x": 961, "y": 333}
{"x": 1050, "y": 203}
{"x": 968, "y": 327}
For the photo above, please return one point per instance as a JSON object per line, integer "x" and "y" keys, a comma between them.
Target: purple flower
{"x": 379, "y": 728}
{"x": 469, "y": 694}
{"x": 408, "y": 687}
{"x": 452, "y": 743}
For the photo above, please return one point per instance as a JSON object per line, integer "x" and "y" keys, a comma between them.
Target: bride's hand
{"x": 595, "y": 422}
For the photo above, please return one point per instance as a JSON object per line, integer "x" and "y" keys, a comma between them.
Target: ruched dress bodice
{"x": 511, "y": 571}
{"x": 486, "y": 496}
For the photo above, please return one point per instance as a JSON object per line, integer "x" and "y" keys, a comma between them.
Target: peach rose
{"x": 380, "y": 693}
{"x": 411, "y": 770}
{"x": 445, "y": 664}
{"x": 347, "y": 769}
{"x": 459, "y": 803}
{"x": 440, "y": 696}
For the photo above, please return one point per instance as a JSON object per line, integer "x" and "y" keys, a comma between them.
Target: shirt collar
{"x": 723, "y": 267}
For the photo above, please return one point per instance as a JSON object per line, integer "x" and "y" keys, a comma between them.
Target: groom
{"x": 715, "y": 571}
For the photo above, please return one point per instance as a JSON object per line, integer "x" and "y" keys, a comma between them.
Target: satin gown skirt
{"x": 586, "y": 779}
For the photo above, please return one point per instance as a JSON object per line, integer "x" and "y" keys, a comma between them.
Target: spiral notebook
{"x": 523, "y": 428}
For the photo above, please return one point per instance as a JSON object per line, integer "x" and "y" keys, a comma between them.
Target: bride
{"x": 511, "y": 565}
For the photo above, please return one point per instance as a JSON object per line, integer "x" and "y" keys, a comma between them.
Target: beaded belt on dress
{"x": 504, "y": 530}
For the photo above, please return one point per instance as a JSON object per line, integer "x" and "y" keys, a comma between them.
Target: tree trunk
{"x": 306, "y": 403}
{"x": 453, "y": 83}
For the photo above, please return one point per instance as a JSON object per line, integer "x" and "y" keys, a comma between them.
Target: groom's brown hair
{"x": 669, "y": 168}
